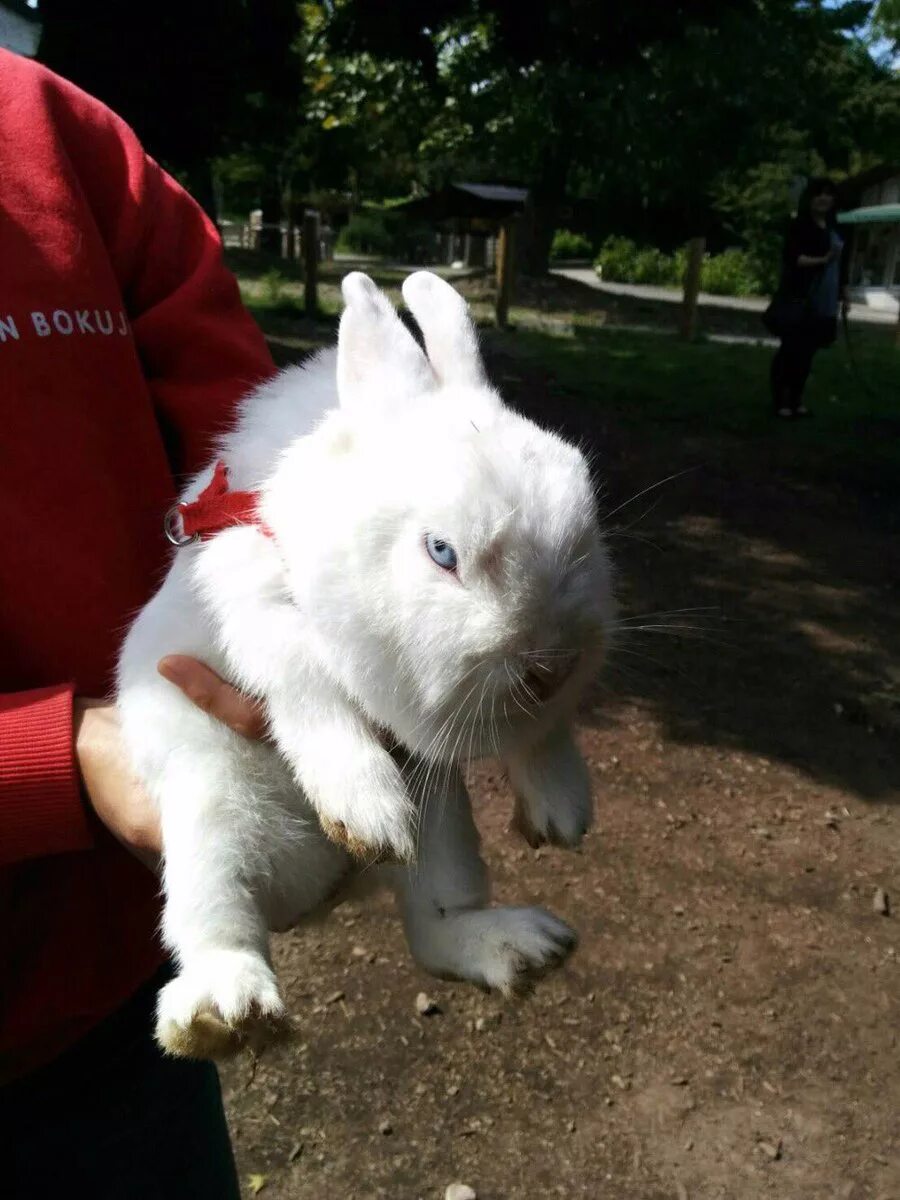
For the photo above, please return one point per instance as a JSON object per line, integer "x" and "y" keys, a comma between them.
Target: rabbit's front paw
{"x": 515, "y": 946}
{"x": 381, "y": 829}
{"x": 559, "y": 820}
{"x": 224, "y": 1000}
{"x": 552, "y": 787}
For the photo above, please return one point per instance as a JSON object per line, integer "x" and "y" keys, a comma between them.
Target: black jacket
{"x": 805, "y": 237}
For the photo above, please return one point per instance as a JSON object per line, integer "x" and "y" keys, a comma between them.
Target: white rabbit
{"x": 420, "y": 579}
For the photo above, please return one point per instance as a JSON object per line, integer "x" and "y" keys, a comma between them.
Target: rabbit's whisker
{"x": 644, "y": 491}
{"x": 667, "y": 612}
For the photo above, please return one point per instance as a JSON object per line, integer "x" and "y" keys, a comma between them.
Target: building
{"x": 20, "y": 28}
{"x": 468, "y": 218}
{"x": 871, "y": 213}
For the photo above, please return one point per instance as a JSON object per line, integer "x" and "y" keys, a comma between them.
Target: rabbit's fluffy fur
{"x": 381, "y": 670}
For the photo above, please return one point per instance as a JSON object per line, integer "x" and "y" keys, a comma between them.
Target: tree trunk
{"x": 289, "y": 214}
{"x": 270, "y": 201}
{"x": 547, "y": 196}
{"x": 691, "y": 285}
{"x": 506, "y": 257}
{"x": 541, "y": 227}
{"x": 201, "y": 187}
{"x": 310, "y": 263}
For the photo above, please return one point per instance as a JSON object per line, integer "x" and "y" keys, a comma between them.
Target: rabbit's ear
{"x": 450, "y": 337}
{"x": 378, "y": 358}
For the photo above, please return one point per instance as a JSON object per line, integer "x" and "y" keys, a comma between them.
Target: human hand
{"x": 115, "y": 795}
{"x": 210, "y": 692}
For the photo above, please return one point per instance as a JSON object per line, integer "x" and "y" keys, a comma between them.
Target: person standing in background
{"x": 812, "y": 280}
{"x": 124, "y": 349}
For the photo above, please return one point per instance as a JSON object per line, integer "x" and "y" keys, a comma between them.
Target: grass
{"x": 714, "y": 394}
{"x": 272, "y": 285}
{"x": 710, "y": 391}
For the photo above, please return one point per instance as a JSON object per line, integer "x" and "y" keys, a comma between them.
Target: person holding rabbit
{"x": 124, "y": 349}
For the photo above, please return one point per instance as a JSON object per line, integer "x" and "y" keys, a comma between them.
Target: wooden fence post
{"x": 505, "y": 266}
{"x": 287, "y": 240}
{"x": 688, "y": 324}
{"x": 310, "y": 262}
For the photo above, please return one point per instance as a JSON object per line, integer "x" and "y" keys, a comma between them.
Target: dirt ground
{"x": 728, "y": 1027}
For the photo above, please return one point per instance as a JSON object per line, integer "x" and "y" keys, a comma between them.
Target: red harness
{"x": 215, "y": 509}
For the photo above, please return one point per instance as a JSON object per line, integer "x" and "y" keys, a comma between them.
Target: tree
{"x": 720, "y": 126}
{"x": 534, "y": 94}
{"x": 361, "y": 115}
{"x": 838, "y": 112}
{"x": 179, "y": 72}
{"x": 886, "y": 22}
{"x": 663, "y": 111}
{"x": 349, "y": 127}
{"x": 671, "y": 117}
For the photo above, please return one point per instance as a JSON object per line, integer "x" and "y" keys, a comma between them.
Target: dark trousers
{"x": 790, "y": 369}
{"x": 114, "y": 1119}
{"x": 793, "y": 360}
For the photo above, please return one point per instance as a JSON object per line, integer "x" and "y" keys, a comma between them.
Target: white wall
{"x": 17, "y": 34}
{"x": 886, "y": 192}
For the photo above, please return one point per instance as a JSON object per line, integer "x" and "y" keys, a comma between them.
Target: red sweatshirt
{"x": 123, "y": 348}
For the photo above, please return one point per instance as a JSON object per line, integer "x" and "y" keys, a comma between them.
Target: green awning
{"x": 867, "y": 216}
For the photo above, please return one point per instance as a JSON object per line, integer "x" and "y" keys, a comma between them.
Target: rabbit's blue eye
{"x": 441, "y": 552}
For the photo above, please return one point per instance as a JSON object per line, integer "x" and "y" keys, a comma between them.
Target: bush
{"x": 732, "y": 273}
{"x": 368, "y": 232}
{"x": 386, "y": 233}
{"x": 570, "y": 245}
{"x": 679, "y": 266}
{"x": 623, "y": 261}
{"x": 272, "y": 288}
{"x": 274, "y": 294}
{"x": 616, "y": 260}
{"x": 653, "y": 267}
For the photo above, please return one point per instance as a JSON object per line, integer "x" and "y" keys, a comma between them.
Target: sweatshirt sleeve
{"x": 200, "y": 349}
{"x": 41, "y": 808}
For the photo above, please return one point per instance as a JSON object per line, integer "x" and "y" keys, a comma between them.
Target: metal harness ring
{"x": 171, "y": 529}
